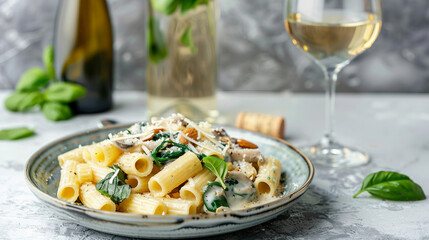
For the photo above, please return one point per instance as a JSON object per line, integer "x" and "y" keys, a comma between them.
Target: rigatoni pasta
{"x": 174, "y": 174}
{"x": 84, "y": 172}
{"x": 179, "y": 206}
{"x": 268, "y": 177}
{"x": 68, "y": 188}
{"x": 135, "y": 163}
{"x": 138, "y": 184}
{"x": 90, "y": 197}
{"x": 103, "y": 153}
{"x": 75, "y": 155}
{"x": 193, "y": 189}
{"x": 169, "y": 166}
{"x": 141, "y": 204}
{"x": 99, "y": 172}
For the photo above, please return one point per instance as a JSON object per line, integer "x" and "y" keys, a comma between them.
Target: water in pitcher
{"x": 185, "y": 80}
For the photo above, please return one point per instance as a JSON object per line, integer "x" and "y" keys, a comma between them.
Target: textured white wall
{"x": 254, "y": 51}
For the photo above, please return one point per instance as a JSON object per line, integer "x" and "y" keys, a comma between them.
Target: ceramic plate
{"x": 43, "y": 175}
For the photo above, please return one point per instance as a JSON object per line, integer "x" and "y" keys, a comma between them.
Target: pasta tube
{"x": 138, "y": 184}
{"x": 174, "y": 174}
{"x": 91, "y": 198}
{"x": 75, "y": 155}
{"x": 99, "y": 173}
{"x": 68, "y": 188}
{"x": 136, "y": 164}
{"x": 140, "y": 204}
{"x": 179, "y": 206}
{"x": 103, "y": 153}
{"x": 193, "y": 189}
{"x": 268, "y": 177}
{"x": 84, "y": 172}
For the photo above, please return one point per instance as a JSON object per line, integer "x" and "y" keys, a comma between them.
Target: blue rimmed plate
{"x": 43, "y": 175}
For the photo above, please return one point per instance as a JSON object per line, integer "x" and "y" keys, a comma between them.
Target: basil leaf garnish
{"x": 32, "y": 80}
{"x": 15, "y": 133}
{"x": 114, "y": 186}
{"x": 391, "y": 186}
{"x": 64, "y": 92}
{"x": 55, "y": 111}
{"x": 218, "y": 167}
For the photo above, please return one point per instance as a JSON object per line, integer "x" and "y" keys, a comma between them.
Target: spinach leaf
{"x": 19, "y": 102}
{"x": 214, "y": 197}
{"x": 186, "y": 39}
{"x": 114, "y": 186}
{"x": 165, "y": 6}
{"x": 165, "y": 152}
{"x": 15, "y": 133}
{"x": 217, "y": 166}
{"x": 392, "y": 186}
{"x": 55, "y": 111}
{"x": 32, "y": 80}
{"x": 163, "y": 135}
{"x": 157, "y": 49}
{"x": 64, "y": 92}
{"x": 48, "y": 60}
{"x": 169, "y": 150}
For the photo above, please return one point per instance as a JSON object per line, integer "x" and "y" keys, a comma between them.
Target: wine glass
{"x": 333, "y": 32}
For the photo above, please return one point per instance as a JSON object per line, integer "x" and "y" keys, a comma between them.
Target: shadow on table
{"x": 308, "y": 217}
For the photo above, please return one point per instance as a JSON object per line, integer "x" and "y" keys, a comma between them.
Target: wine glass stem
{"x": 331, "y": 75}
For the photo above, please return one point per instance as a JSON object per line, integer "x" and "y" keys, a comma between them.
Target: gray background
{"x": 255, "y": 53}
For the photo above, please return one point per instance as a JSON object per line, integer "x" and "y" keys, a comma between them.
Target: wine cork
{"x": 266, "y": 124}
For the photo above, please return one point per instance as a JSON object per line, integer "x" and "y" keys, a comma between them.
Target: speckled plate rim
{"x": 119, "y": 217}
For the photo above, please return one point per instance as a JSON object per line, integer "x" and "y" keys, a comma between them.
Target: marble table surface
{"x": 393, "y": 128}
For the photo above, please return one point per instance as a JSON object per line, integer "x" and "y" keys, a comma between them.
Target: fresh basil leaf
{"x": 114, "y": 185}
{"x": 217, "y": 166}
{"x": 32, "y": 80}
{"x": 48, "y": 60}
{"x": 214, "y": 197}
{"x": 165, "y": 6}
{"x": 157, "y": 49}
{"x": 64, "y": 92}
{"x": 19, "y": 102}
{"x": 392, "y": 186}
{"x": 121, "y": 174}
{"x": 55, "y": 111}
{"x": 15, "y": 133}
{"x": 186, "y": 39}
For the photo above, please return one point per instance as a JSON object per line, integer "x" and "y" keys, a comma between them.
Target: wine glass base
{"x": 335, "y": 155}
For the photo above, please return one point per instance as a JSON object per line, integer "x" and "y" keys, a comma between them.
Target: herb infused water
{"x": 182, "y": 68}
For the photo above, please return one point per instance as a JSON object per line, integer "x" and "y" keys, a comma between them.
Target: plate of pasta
{"x": 169, "y": 178}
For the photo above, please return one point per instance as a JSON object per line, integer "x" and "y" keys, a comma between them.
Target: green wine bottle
{"x": 83, "y": 46}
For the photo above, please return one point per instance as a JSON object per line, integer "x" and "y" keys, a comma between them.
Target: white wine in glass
{"x": 333, "y": 32}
